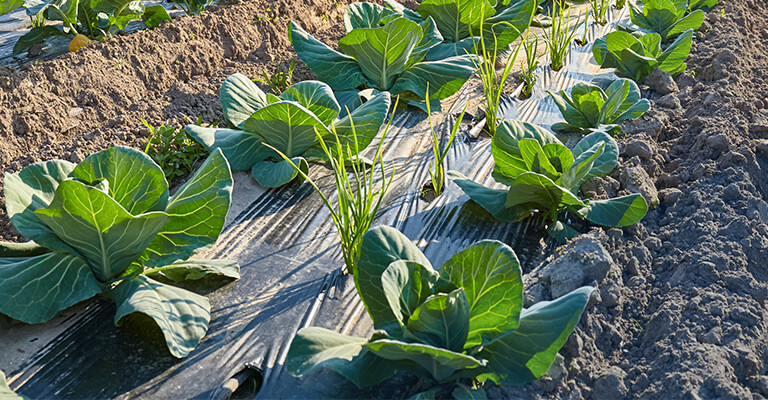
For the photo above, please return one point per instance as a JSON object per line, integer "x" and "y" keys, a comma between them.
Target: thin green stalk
{"x": 493, "y": 84}
{"x": 359, "y": 198}
{"x": 528, "y": 73}
{"x": 437, "y": 171}
{"x": 559, "y": 36}
{"x": 600, "y": 10}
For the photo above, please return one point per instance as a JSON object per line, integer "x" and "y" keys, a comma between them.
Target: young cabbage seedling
{"x": 108, "y": 226}
{"x": 668, "y": 18}
{"x": 359, "y": 196}
{"x": 289, "y": 123}
{"x": 589, "y": 108}
{"x": 437, "y": 172}
{"x": 461, "y": 22}
{"x": 463, "y": 320}
{"x": 544, "y": 178}
{"x": 636, "y": 57}
{"x": 387, "y": 58}
{"x": 560, "y": 34}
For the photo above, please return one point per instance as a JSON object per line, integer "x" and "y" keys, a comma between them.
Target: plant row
{"x": 108, "y": 226}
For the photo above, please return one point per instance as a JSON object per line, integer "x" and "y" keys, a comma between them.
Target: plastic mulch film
{"x": 291, "y": 263}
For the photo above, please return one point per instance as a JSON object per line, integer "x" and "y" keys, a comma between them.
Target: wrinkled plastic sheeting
{"x": 291, "y": 263}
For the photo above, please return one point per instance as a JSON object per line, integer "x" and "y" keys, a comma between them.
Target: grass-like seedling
{"x": 559, "y": 35}
{"x": 528, "y": 74}
{"x": 173, "y": 150}
{"x": 493, "y": 83}
{"x": 599, "y": 11}
{"x": 279, "y": 80}
{"x": 437, "y": 172}
{"x": 359, "y": 195}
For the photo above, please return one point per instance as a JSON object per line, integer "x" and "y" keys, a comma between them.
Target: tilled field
{"x": 681, "y": 312}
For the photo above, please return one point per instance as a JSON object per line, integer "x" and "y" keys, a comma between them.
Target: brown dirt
{"x": 685, "y": 317}
{"x": 94, "y": 99}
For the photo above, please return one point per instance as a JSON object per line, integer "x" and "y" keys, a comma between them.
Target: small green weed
{"x": 599, "y": 10}
{"x": 279, "y": 80}
{"x": 173, "y": 150}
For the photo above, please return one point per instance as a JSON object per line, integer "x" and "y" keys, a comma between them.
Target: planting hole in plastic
{"x": 243, "y": 385}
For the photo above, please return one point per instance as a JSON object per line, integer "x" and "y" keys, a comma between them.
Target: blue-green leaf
{"x": 619, "y": 211}
{"x": 274, "y": 174}
{"x": 182, "y": 316}
{"x": 442, "y": 321}
{"x": 240, "y": 98}
{"x": 440, "y": 363}
{"x": 34, "y": 289}
{"x": 338, "y": 70}
{"x": 490, "y": 275}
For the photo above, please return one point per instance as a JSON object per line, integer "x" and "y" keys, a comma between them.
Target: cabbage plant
{"x": 459, "y": 21}
{"x": 636, "y": 57}
{"x": 465, "y": 320}
{"x": 589, "y": 108}
{"x": 386, "y": 58}
{"x": 96, "y": 19}
{"x": 666, "y": 17}
{"x": 544, "y": 178}
{"x": 107, "y": 226}
{"x": 288, "y": 123}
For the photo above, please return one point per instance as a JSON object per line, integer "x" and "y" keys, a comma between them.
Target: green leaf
{"x": 241, "y": 148}
{"x": 381, "y": 246}
{"x": 7, "y": 6}
{"x": 456, "y": 18}
{"x": 338, "y": 70}
{"x": 182, "y": 316}
{"x": 287, "y": 126}
{"x": 442, "y": 320}
{"x": 196, "y": 212}
{"x": 580, "y": 171}
{"x": 382, "y": 53}
{"x": 28, "y": 249}
{"x": 186, "y": 270}
{"x": 426, "y": 395}
{"x": 274, "y": 174}
{"x": 619, "y": 211}
{"x": 532, "y": 191}
{"x": 317, "y": 97}
{"x": 314, "y": 348}
{"x": 240, "y": 98}
{"x": 673, "y": 57}
{"x": 527, "y": 353}
{"x": 5, "y": 392}
{"x": 605, "y": 162}
{"x": 364, "y": 15}
{"x": 430, "y": 38}
{"x": 32, "y": 188}
{"x": 509, "y": 24}
{"x": 508, "y": 161}
{"x": 408, "y": 284}
{"x": 492, "y": 200}
{"x": 135, "y": 181}
{"x": 100, "y": 229}
{"x": 367, "y": 120}
{"x": 440, "y": 363}
{"x": 34, "y": 289}
{"x": 490, "y": 275}
{"x": 153, "y": 15}
{"x": 444, "y": 77}
{"x": 691, "y": 21}
{"x": 36, "y": 35}
{"x": 463, "y": 392}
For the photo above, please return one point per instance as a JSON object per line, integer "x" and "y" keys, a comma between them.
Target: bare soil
{"x": 685, "y": 316}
